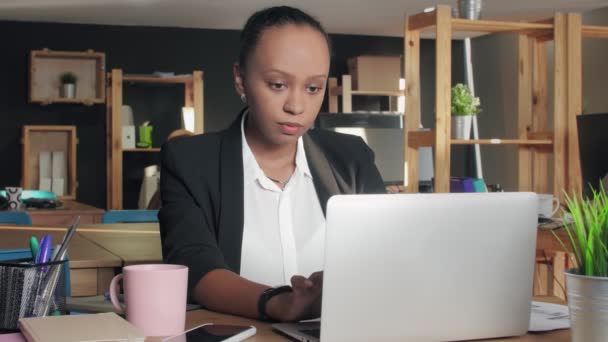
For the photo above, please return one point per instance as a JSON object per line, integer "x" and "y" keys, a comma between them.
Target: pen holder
{"x": 26, "y": 290}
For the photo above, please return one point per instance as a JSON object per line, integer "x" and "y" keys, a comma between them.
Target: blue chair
{"x": 14, "y": 254}
{"x": 129, "y": 216}
{"x": 15, "y": 217}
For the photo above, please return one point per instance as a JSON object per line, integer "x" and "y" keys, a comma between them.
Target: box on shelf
{"x": 375, "y": 73}
{"x": 46, "y": 68}
{"x": 49, "y": 159}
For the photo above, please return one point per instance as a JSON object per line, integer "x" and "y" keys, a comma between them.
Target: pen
{"x": 34, "y": 247}
{"x": 66, "y": 240}
{"x": 44, "y": 250}
{"x": 49, "y": 289}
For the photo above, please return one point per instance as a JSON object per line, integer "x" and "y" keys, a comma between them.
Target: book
{"x": 94, "y": 327}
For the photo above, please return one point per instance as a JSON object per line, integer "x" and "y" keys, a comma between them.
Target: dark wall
{"x": 141, "y": 50}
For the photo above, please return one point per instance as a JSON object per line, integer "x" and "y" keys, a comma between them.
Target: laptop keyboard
{"x": 312, "y": 332}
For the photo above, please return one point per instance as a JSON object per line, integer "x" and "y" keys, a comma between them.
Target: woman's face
{"x": 284, "y": 81}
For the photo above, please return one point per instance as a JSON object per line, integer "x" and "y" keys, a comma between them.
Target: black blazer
{"x": 201, "y": 185}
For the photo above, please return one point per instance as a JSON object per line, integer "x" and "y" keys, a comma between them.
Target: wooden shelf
{"x": 50, "y": 139}
{"x": 337, "y": 91}
{"x": 193, "y": 97}
{"x": 46, "y": 67}
{"x": 428, "y": 20}
{"x": 156, "y": 79}
{"x": 492, "y": 26}
{"x": 152, "y": 149}
{"x": 594, "y": 31}
{"x": 86, "y": 102}
{"x": 427, "y": 138}
{"x": 497, "y": 141}
{"x": 555, "y": 136}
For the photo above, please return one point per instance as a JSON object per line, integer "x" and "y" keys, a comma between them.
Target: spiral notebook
{"x": 94, "y": 327}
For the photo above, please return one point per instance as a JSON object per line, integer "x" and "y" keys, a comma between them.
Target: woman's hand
{"x": 303, "y": 303}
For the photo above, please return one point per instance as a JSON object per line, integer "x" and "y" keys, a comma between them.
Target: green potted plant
{"x": 464, "y": 106}
{"x": 587, "y": 283}
{"x": 68, "y": 85}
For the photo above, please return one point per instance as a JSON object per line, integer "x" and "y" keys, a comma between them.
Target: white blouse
{"x": 284, "y": 230}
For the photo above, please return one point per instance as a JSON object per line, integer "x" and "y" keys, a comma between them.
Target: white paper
{"x": 128, "y": 136}
{"x": 127, "y": 116}
{"x": 59, "y": 165}
{"x": 45, "y": 184}
{"x": 548, "y": 316}
{"x": 58, "y": 186}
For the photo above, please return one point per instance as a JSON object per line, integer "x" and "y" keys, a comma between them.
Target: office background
{"x": 181, "y": 50}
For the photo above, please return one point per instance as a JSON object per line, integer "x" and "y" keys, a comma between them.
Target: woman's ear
{"x": 239, "y": 85}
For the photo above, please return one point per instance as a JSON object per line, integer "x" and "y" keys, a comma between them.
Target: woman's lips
{"x": 290, "y": 128}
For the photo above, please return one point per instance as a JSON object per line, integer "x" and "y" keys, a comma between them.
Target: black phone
{"x": 214, "y": 333}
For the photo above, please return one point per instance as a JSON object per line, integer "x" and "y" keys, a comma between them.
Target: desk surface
{"x": 83, "y": 253}
{"x": 151, "y": 227}
{"x": 132, "y": 248}
{"x": 265, "y": 332}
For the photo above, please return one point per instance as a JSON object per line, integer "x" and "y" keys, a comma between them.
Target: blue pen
{"x": 44, "y": 254}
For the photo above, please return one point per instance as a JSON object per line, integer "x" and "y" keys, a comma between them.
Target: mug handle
{"x": 114, "y": 294}
{"x": 555, "y": 206}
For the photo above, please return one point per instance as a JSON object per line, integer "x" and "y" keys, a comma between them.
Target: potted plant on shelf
{"x": 587, "y": 283}
{"x": 464, "y": 106}
{"x": 68, "y": 85}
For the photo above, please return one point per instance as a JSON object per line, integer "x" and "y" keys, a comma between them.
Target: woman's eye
{"x": 313, "y": 89}
{"x": 277, "y": 85}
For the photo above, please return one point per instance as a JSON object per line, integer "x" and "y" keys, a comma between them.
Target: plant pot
{"x": 588, "y": 305}
{"x": 461, "y": 126}
{"x": 68, "y": 90}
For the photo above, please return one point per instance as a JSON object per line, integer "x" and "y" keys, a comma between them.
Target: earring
{"x": 244, "y": 98}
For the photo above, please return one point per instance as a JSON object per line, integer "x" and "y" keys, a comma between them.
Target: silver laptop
{"x": 426, "y": 267}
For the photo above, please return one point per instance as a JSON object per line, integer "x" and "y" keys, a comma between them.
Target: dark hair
{"x": 274, "y": 17}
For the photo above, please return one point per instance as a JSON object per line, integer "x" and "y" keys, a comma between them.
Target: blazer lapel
{"x": 323, "y": 175}
{"x": 230, "y": 232}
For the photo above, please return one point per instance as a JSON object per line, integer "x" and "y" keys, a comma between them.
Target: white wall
{"x": 595, "y": 65}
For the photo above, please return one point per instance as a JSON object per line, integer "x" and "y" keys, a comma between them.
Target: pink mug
{"x": 154, "y": 297}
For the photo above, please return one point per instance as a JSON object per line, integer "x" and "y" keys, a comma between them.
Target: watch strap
{"x": 266, "y": 296}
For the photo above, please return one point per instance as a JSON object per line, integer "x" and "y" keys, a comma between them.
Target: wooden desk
{"x": 91, "y": 267}
{"x": 265, "y": 332}
{"x": 121, "y": 227}
{"x": 64, "y": 215}
{"x": 138, "y": 247}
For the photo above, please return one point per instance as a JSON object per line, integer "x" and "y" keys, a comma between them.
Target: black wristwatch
{"x": 265, "y": 297}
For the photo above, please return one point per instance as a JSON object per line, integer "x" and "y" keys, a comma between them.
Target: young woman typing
{"x": 244, "y": 208}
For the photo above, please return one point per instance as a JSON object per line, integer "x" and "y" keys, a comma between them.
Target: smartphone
{"x": 214, "y": 333}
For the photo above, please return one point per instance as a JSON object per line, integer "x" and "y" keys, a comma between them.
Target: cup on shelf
{"x": 548, "y": 205}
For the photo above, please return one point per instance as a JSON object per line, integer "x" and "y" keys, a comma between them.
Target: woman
{"x": 244, "y": 208}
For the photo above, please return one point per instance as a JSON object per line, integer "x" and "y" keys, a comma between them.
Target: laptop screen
{"x": 593, "y": 146}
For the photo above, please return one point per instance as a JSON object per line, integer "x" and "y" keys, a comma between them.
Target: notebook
{"x": 94, "y": 327}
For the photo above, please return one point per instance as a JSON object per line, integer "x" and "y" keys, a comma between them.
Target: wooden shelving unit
{"x": 46, "y": 67}
{"x": 346, "y": 92}
{"x": 535, "y": 139}
{"x": 193, "y": 97}
{"x": 37, "y": 139}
